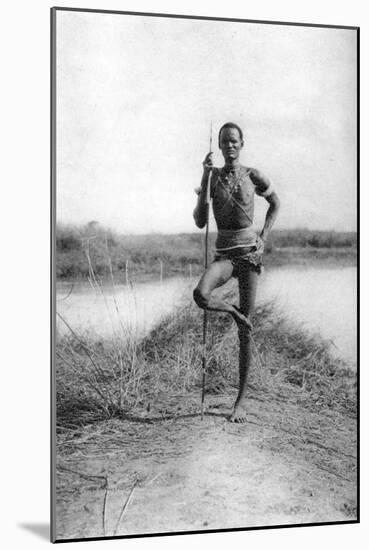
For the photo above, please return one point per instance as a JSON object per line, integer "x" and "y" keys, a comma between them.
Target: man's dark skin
{"x": 219, "y": 272}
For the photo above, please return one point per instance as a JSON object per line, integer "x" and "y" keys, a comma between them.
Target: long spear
{"x": 205, "y": 320}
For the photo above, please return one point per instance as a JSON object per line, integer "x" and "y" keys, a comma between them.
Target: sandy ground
{"x": 188, "y": 474}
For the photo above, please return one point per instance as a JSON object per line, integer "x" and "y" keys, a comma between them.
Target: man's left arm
{"x": 264, "y": 188}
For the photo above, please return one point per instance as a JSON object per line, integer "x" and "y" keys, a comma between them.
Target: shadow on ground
{"x": 174, "y": 417}
{"x": 40, "y": 529}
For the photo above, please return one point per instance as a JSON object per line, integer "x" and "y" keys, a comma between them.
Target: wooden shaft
{"x": 205, "y": 321}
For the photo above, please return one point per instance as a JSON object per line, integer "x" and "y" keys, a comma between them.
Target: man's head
{"x": 230, "y": 141}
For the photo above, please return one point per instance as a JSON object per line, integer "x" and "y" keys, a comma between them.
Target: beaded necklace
{"x": 232, "y": 181}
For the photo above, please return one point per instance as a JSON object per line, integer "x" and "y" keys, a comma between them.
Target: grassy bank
{"x": 100, "y": 379}
{"x": 136, "y": 257}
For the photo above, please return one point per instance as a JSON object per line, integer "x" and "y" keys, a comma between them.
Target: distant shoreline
{"x": 92, "y": 248}
{"x": 289, "y": 256}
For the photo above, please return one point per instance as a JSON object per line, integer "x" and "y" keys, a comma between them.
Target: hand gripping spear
{"x": 205, "y": 320}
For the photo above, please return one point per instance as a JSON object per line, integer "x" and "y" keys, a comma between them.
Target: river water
{"x": 321, "y": 300}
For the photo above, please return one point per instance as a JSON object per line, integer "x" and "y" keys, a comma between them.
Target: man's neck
{"x": 232, "y": 166}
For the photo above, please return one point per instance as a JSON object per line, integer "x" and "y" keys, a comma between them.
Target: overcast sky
{"x": 135, "y": 97}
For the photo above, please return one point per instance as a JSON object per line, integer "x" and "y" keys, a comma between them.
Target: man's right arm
{"x": 200, "y": 213}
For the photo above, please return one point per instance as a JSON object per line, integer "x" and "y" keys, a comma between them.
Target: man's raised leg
{"x": 216, "y": 275}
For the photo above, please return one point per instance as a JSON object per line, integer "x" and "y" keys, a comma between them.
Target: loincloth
{"x": 242, "y": 247}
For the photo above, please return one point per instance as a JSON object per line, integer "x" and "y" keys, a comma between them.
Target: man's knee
{"x": 201, "y": 298}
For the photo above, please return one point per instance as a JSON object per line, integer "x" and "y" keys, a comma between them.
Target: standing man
{"x": 239, "y": 249}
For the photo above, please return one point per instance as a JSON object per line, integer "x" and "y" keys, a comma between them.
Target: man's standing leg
{"x": 247, "y": 281}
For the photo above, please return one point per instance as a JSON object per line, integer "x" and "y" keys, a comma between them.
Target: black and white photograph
{"x": 205, "y": 218}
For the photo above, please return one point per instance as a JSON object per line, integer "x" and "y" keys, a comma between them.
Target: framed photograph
{"x": 204, "y": 178}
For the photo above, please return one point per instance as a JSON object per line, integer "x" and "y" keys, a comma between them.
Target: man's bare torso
{"x": 233, "y": 197}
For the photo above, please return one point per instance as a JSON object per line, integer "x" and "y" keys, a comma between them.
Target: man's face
{"x": 230, "y": 144}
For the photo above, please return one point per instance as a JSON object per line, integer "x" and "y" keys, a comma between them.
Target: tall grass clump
{"x": 96, "y": 378}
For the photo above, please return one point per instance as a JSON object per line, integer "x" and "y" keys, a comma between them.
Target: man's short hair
{"x": 230, "y": 125}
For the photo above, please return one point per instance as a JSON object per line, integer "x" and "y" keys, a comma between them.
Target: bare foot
{"x": 239, "y": 412}
{"x": 240, "y": 318}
